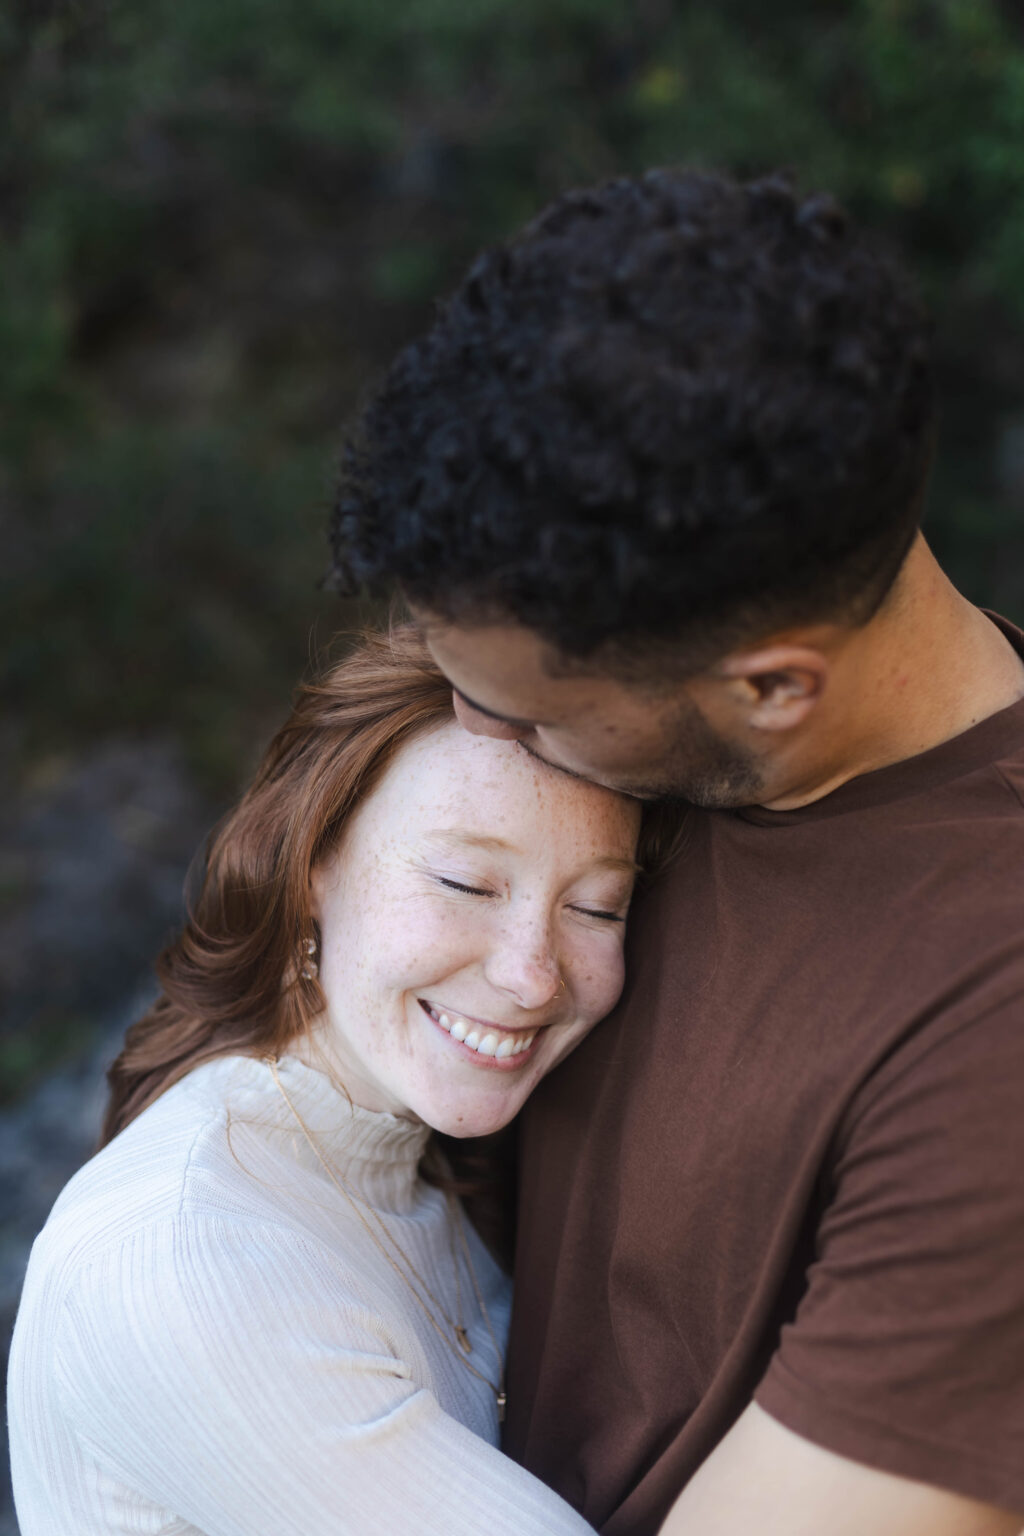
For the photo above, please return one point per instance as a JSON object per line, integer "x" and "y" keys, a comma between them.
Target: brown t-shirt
{"x": 790, "y": 1167}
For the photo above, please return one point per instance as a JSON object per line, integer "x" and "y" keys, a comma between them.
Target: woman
{"x": 251, "y": 1312}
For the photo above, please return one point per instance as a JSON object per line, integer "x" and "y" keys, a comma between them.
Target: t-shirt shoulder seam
{"x": 915, "y": 1051}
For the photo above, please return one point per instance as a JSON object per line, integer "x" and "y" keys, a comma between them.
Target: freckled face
{"x": 472, "y": 924}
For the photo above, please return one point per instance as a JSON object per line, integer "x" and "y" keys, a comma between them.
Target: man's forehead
{"x": 493, "y": 639}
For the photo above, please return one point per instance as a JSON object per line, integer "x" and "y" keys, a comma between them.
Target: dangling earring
{"x": 308, "y": 968}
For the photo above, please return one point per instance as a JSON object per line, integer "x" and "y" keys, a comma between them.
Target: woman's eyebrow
{"x": 463, "y": 838}
{"x": 459, "y": 837}
{"x": 626, "y": 866}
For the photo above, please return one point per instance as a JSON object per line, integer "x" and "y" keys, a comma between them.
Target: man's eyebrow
{"x": 492, "y": 714}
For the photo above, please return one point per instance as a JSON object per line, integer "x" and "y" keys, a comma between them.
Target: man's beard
{"x": 700, "y": 766}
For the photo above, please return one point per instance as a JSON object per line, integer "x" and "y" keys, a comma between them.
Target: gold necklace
{"x": 458, "y": 1236}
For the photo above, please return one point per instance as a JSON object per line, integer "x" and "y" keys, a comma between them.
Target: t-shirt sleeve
{"x": 907, "y": 1349}
{"x": 251, "y": 1396}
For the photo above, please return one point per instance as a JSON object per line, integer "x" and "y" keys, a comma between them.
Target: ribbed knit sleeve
{"x": 230, "y": 1375}
{"x": 219, "y": 1333}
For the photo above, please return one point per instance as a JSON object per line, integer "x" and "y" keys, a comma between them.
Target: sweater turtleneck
{"x": 373, "y": 1153}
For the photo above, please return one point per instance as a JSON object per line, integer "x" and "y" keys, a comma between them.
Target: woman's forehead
{"x": 449, "y": 782}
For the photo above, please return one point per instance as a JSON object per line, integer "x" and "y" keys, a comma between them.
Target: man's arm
{"x": 763, "y": 1478}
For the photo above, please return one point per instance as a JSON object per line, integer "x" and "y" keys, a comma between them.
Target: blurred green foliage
{"x": 220, "y": 219}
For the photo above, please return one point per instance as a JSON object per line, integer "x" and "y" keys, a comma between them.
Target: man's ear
{"x": 778, "y": 685}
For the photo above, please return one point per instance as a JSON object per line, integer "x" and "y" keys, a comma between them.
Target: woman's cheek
{"x": 602, "y": 972}
{"x": 430, "y": 943}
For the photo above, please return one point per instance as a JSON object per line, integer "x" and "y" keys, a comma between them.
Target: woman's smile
{"x": 488, "y": 1045}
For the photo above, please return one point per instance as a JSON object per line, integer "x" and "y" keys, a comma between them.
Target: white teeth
{"x": 486, "y": 1042}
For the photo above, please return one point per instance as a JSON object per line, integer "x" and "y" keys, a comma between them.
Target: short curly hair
{"x": 674, "y": 407}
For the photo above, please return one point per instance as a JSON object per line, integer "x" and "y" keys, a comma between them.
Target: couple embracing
{"x": 651, "y": 489}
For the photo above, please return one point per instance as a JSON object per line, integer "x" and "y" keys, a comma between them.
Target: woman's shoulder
{"x": 175, "y": 1162}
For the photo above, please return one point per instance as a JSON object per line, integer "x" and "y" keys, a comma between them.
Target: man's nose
{"x": 479, "y": 724}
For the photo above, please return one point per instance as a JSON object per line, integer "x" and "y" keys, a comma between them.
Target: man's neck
{"x": 928, "y": 667}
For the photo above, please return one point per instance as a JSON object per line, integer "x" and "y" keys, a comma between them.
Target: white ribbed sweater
{"x": 208, "y": 1340}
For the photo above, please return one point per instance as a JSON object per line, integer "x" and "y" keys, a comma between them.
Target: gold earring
{"x": 308, "y": 968}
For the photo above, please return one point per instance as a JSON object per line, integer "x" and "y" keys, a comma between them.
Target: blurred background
{"x": 217, "y": 223}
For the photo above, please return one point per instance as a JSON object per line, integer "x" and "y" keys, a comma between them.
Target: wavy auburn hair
{"x": 230, "y": 983}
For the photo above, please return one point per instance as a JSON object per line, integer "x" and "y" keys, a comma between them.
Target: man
{"x": 653, "y": 485}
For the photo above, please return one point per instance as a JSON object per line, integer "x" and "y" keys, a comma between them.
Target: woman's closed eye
{"x": 461, "y": 887}
{"x": 605, "y": 917}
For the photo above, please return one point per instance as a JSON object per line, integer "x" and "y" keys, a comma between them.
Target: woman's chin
{"x": 471, "y": 1119}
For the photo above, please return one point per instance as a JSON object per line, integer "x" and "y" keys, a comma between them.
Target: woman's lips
{"x": 491, "y": 1042}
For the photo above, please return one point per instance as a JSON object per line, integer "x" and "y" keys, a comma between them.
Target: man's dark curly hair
{"x": 672, "y": 409}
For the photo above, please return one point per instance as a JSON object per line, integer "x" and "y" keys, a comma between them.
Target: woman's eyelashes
{"x": 461, "y": 887}
{"x": 604, "y": 917}
{"x": 464, "y": 888}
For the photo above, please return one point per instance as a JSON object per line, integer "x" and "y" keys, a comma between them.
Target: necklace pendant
{"x": 501, "y": 1399}
{"x": 463, "y": 1338}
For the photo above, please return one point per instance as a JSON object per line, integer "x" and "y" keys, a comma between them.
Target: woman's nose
{"x": 524, "y": 965}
